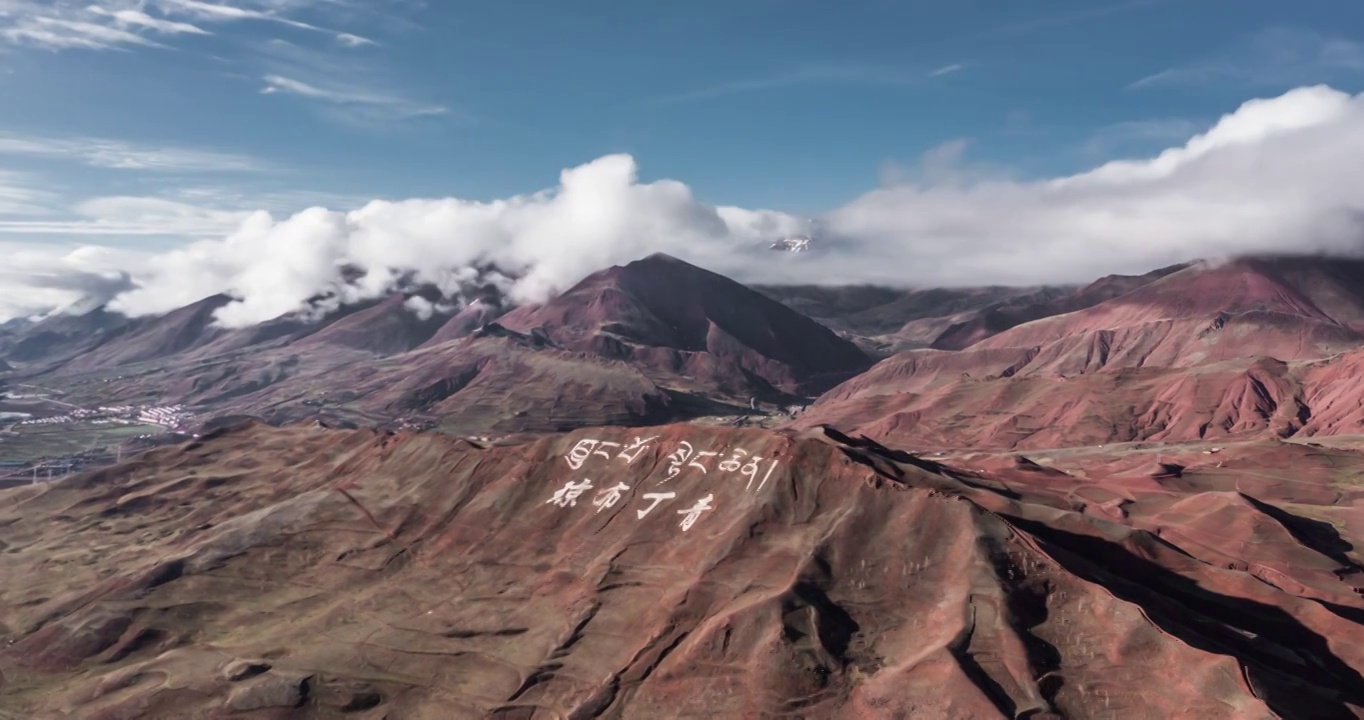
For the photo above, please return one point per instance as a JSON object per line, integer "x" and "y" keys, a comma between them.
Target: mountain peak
{"x": 793, "y": 244}
{"x": 658, "y": 259}
{"x": 669, "y": 313}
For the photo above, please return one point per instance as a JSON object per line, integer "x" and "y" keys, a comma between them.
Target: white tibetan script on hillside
{"x": 685, "y": 458}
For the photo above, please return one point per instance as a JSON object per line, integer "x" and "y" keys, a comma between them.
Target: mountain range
{"x": 1202, "y": 350}
{"x": 663, "y": 493}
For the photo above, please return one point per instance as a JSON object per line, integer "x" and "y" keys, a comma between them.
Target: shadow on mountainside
{"x": 1287, "y": 665}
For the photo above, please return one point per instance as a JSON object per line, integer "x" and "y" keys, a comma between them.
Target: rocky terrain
{"x": 1261, "y": 347}
{"x": 1140, "y": 498}
{"x": 686, "y": 572}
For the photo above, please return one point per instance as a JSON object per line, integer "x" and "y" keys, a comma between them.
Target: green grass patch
{"x": 32, "y": 442}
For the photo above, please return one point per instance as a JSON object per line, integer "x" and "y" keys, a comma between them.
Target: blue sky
{"x": 790, "y": 104}
{"x": 138, "y": 124}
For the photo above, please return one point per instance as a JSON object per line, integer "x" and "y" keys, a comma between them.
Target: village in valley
{"x": 170, "y": 417}
{"x": 43, "y": 437}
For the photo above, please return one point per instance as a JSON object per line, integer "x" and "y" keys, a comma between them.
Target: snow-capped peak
{"x": 793, "y": 243}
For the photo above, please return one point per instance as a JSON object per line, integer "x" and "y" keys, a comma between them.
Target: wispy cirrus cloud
{"x": 370, "y": 103}
{"x": 131, "y": 216}
{"x": 266, "y": 10}
{"x": 350, "y": 40}
{"x": 204, "y": 211}
{"x": 57, "y": 33}
{"x": 125, "y": 24}
{"x": 1279, "y": 56}
{"x": 947, "y": 69}
{"x": 117, "y": 154}
{"x": 129, "y": 18}
{"x": 342, "y": 86}
{"x": 210, "y": 12}
{"x": 275, "y": 198}
{"x": 349, "y": 87}
{"x": 18, "y": 196}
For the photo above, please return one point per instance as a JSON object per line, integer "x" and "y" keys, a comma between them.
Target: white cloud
{"x": 36, "y": 280}
{"x": 391, "y": 105}
{"x": 123, "y": 24}
{"x": 62, "y": 34}
{"x": 19, "y": 197}
{"x": 350, "y": 88}
{"x": 1256, "y": 122}
{"x": 947, "y": 70}
{"x": 1112, "y": 140}
{"x": 943, "y": 166}
{"x": 139, "y": 19}
{"x": 211, "y": 12}
{"x": 1282, "y": 174}
{"x": 598, "y": 215}
{"x": 116, "y": 154}
{"x": 275, "y": 83}
{"x": 350, "y": 40}
{"x": 132, "y": 216}
{"x": 271, "y": 199}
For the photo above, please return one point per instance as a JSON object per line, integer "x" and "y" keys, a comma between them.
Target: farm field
{"x": 33, "y": 442}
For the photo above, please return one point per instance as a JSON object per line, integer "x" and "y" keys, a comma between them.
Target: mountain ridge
{"x": 678, "y": 340}
{"x": 853, "y": 577}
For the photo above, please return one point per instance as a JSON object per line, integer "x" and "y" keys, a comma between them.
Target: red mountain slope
{"x": 1199, "y": 314}
{"x": 153, "y": 337}
{"x": 676, "y": 319}
{"x": 503, "y": 384}
{"x": 884, "y": 319}
{"x": 1207, "y": 352}
{"x": 463, "y": 324}
{"x": 312, "y": 573}
{"x": 385, "y": 328}
{"x": 62, "y": 336}
{"x": 652, "y": 341}
{"x": 1002, "y": 316}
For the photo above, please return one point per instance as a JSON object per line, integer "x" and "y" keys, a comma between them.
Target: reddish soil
{"x": 387, "y": 328}
{"x": 997, "y": 318}
{"x": 671, "y": 318}
{"x": 305, "y": 572}
{"x": 1252, "y": 348}
{"x": 465, "y": 322}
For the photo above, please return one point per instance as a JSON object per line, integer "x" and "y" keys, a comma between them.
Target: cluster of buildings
{"x": 72, "y": 416}
{"x": 167, "y": 416}
{"x": 414, "y": 424}
{"x": 170, "y": 416}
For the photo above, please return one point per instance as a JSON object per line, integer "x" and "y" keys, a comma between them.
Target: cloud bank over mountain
{"x": 1282, "y": 174}
{"x": 34, "y": 282}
